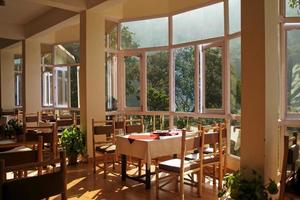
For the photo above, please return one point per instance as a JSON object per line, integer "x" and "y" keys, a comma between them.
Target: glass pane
{"x": 199, "y": 24}
{"x": 293, "y": 62}
{"x": 68, "y": 53}
{"x": 74, "y": 81}
{"x": 213, "y": 78}
{"x": 111, "y": 82}
{"x": 234, "y": 16}
{"x": 18, "y": 63}
{"x": 62, "y": 90}
{"x": 144, "y": 33}
{"x": 184, "y": 79}
{"x": 158, "y": 81}
{"x": 46, "y": 54}
{"x": 133, "y": 88}
{"x": 235, "y": 75}
{"x": 47, "y": 87}
{"x": 18, "y": 89}
{"x": 292, "y": 8}
{"x": 235, "y": 137}
{"x": 111, "y": 35}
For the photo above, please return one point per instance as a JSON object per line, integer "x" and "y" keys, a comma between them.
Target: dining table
{"x": 147, "y": 147}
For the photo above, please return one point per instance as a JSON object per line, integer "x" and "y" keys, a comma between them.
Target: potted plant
{"x": 13, "y": 128}
{"x": 237, "y": 187}
{"x": 73, "y": 142}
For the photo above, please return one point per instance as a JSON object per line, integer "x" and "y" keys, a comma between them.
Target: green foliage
{"x": 238, "y": 187}
{"x": 73, "y": 141}
{"x": 184, "y": 79}
{"x": 13, "y": 125}
{"x": 294, "y": 3}
{"x": 213, "y": 77}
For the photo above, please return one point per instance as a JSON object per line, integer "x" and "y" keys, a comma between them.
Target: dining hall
{"x": 137, "y": 99}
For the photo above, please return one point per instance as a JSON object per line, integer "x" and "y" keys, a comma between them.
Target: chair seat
{"x": 106, "y": 148}
{"x": 207, "y": 158}
{"x": 173, "y": 165}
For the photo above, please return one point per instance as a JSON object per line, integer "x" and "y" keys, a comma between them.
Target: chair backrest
{"x": 64, "y": 122}
{"x": 134, "y": 126}
{"x": 105, "y": 128}
{"x": 36, "y": 187}
{"x": 21, "y": 156}
{"x": 49, "y": 134}
{"x": 211, "y": 138}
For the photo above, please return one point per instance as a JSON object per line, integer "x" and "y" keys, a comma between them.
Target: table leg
{"x": 148, "y": 176}
{"x": 123, "y": 167}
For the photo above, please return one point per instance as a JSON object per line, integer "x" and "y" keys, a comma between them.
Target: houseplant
{"x": 237, "y": 187}
{"x": 13, "y": 128}
{"x": 73, "y": 142}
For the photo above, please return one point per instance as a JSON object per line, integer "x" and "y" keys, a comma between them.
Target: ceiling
{"x": 21, "y": 12}
{"x": 20, "y": 19}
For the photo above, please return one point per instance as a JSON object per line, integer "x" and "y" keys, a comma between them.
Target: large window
{"x": 235, "y": 75}
{"x": 158, "y": 81}
{"x": 60, "y": 81}
{"x": 132, "y": 78}
{"x": 18, "y": 80}
{"x": 184, "y": 79}
{"x": 234, "y": 16}
{"x": 213, "y": 77}
{"x": 144, "y": 33}
{"x": 111, "y": 74}
{"x": 203, "y": 23}
{"x": 293, "y": 71}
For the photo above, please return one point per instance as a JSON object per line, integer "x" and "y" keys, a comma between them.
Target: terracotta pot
{"x": 72, "y": 159}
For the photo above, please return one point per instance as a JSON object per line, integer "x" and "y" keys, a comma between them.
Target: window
{"x": 184, "y": 79}
{"x": 144, "y": 33}
{"x": 62, "y": 86}
{"x": 234, "y": 16}
{"x": 132, "y": 79}
{"x": 293, "y": 71}
{"x": 74, "y": 86}
{"x": 68, "y": 53}
{"x": 111, "y": 67}
{"x": 213, "y": 77}
{"x": 60, "y": 81}
{"x": 235, "y": 75}
{"x": 18, "y": 80}
{"x": 292, "y": 10}
{"x": 203, "y": 23}
{"x": 47, "y": 84}
{"x": 158, "y": 81}
{"x": 235, "y": 137}
{"x": 111, "y": 37}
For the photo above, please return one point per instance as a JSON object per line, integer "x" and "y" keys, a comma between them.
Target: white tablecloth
{"x": 149, "y": 149}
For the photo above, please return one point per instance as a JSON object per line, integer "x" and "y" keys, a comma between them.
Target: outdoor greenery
{"x": 294, "y": 3}
{"x": 238, "y": 187}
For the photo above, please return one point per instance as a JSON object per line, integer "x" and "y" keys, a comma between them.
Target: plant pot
{"x": 72, "y": 159}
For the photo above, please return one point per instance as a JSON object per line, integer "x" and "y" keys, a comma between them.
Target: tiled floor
{"x": 83, "y": 184}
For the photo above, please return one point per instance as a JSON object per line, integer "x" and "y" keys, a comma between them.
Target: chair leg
{"x": 105, "y": 165}
{"x": 214, "y": 174}
{"x": 94, "y": 162}
{"x": 220, "y": 176}
{"x": 182, "y": 187}
{"x": 200, "y": 180}
{"x": 156, "y": 182}
{"x": 114, "y": 161}
{"x": 140, "y": 167}
{"x": 199, "y": 184}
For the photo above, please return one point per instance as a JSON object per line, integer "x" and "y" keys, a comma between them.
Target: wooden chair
{"x": 134, "y": 126}
{"x": 64, "y": 123}
{"x": 36, "y": 187}
{"x": 50, "y": 138}
{"x": 32, "y": 119}
{"x": 104, "y": 146}
{"x": 23, "y": 152}
{"x": 178, "y": 168}
{"x": 290, "y": 155}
